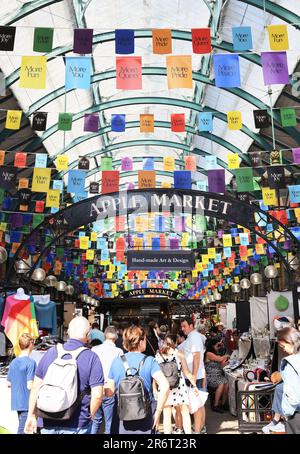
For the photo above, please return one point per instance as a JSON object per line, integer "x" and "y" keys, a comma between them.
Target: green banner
{"x": 37, "y": 219}
{"x": 106, "y": 163}
{"x": 244, "y": 179}
{"x": 288, "y": 117}
{"x": 65, "y": 122}
{"x": 43, "y": 39}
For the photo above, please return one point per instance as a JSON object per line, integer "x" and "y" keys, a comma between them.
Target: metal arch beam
{"x": 98, "y": 77}
{"x": 276, "y": 10}
{"x": 157, "y": 124}
{"x": 25, "y": 10}
{"x": 162, "y": 101}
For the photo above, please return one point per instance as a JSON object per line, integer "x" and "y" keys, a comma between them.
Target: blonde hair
{"x": 132, "y": 337}
{"x": 25, "y": 340}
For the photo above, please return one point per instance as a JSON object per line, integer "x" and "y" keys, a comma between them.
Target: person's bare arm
{"x": 212, "y": 357}
{"x": 109, "y": 388}
{"x": 196, "y": 364}
{"x": 162, "y": 396}
{"x": 29, "y": 384}
{"x": 31, "y": 422}
{"x": 185, "y": 368}
{"x": 96, "y": 399}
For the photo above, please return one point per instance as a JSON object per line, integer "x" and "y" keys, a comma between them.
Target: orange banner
{"x": 179, "y": 71}
{"x": 162, "y": 41}
{"x": 146, "y": 123}
{"x": 147, "y": 179}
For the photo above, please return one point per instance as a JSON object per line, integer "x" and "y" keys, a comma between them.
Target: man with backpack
{"x": 68, "y": 386}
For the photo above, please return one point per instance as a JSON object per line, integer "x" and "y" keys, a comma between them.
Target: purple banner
{"x": 126, "y": 164}
{"x": 83, "y": 40}
{"x": 296, "y": 155}
{"x": 91, "y": 122}
{"x": 216, "y": 181}
{"x": 275, "y": 68}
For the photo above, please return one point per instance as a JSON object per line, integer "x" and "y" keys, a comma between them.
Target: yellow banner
{"x": 179, "y": 71}
{"x": 41, "y": 180}
{"x": 13, "y": 119}
{"x": 169, "y": 163}
{"x": 84, "y": 242}
{"x": 62, "y": 162}
{"x": 194, "y": 273}
{"x": 52, "y": 200}
{"x": 93, "y": 236}
{"x": 33, "y": 72}
{"x": 278, "y": 37}
{"x": 269, "y": 196}
{"x": 233, "y": 161}
{"x": 166, "y": 184}
{"x": 227, "y": 240}
{"x": 90, "y": 254}
{"x": 259, "y": 248}
{"x": 205, "y": 258}
{"x": 211, "y": 252}
{"x": 234, "y": 119}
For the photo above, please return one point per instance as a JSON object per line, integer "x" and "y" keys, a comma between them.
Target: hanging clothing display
{"x": 258, "y": 313}
{"x": 46, "y": 313}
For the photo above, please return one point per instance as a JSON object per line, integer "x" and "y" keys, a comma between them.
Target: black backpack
{"x": 133, "y": 397}
{"x": 170, "y": 371}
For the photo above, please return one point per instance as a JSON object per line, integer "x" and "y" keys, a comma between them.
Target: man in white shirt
{"x": 107, "y": 352}
{"x": 194, "y": 355}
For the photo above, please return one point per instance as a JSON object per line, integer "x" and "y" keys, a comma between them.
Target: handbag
{"x": 196, "y": 400}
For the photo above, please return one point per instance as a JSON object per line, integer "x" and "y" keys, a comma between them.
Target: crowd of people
{"x": 136, "y": 379}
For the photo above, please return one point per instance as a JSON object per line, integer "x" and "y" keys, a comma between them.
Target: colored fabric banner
{"x": 190, "y": 163}
{"x": 294, "y": 191}
{"x": 161, "y": 41}
{"x": 13, "y": 119}
{"x": 216, "y": 181}
{"x": 124, "y": 41}
{"x": 58, "y": 184}
{"x": 288, "y": 117}
{"x": 91, "y": 123}
{"x": 83, "y": 163}
{"x": 275, "y": 157}
{"x": 39, "y": 121}
{"x": 233, "y": 160}
{"x": 261, "y": 119}
{"x": 201, "y": 185}
{"x": 90, "y": 254}
{"x": 242, "y": 38}
{"x": 43, "y": 39}
{"x": 227, "y": 70}
{"x": 23, "y": 183}
{"x": 179, "y": 71}
{"x": 269, "y": 196}
{"x": 182, "y": 179}
{"x": 106, "y": 163}
{"x": 275, "y": 68}
{"x": 8, "y": 178}
{"x": 7, "y": 38}
{"x": 205, "y": 121}
{"x": 147, "y": 179}
{"x": 280, "y": 215}
{"x": 178, "y": 122}
{"x": 256, "y": 158}
{"x": 94, "y": 187}
{"x": 126, "y": 164}
{"x": 84, "y": 242}
{"x": 166, "y": 185}
{"x": 146, "y": 123}
{"x": 24, "y": 198}
{"x": 39, "y": 206}
{"x": 83, "y": 40}
{"x": 278, "y": 37}
{"x": 276, "y": 177}
{"x": 129, "y": 73}
{"x": 2, "y": 157}
{"x": 110, "y": 181}
{"x": 296, "y": 155}
{"x": 118, "y": 122}
{"x": 41, "y": 180}
{"x": 244, "y": 179}
{"x": 33, "y": 72}
{"x": 53, "y": 197}
{"x": 78, "y": 72}
{"x": 168, "y": 163}
{"x": 234, "y": 119}
{"x": 201, "y": 40}
{"x": 20, "y": 159}
{"x": 62, "y": 162}
{"x": 65, "y": 121}
{"x": 227, "y": 241}
{"x": 148, "y": 164}
{"x": 76, "y": 181}
{"x": 211, "y": 162}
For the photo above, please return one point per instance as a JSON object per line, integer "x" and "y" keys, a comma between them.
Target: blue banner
{"x": 201, "y": 185}
{"x": 182, "y": 179}
{"x": 41, "y": 160}
{"x": 78, "y": 72}
{"x": 118, "y": 122}
{"x": 227, "y": 70}
{"x": 124, "y": 40}
{"x": 76, "y": 181}
{"x": 211, "y": 162}
{"x": 205, "y": 121}
{"x": 242, "y": 38}
{"x": 148, "y": 164}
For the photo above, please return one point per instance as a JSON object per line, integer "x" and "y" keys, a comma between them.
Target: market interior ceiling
{"x": 182, "y": 15}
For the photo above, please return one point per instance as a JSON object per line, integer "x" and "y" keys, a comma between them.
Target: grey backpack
{"x": 133, "y": 397}
{"x": 59, "y": 395}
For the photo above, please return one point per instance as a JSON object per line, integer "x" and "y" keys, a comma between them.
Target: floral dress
{"x": 179, "y": 395}
{"x": 215, "y": 374}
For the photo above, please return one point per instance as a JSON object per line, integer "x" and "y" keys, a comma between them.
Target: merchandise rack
{"x": 254, "y": 409}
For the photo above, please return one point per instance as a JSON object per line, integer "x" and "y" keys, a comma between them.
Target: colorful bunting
{"x": 146, "y": 179}
{"x": 13, "y": 119}
{"x": 162, "y": 41}
{"x": 83, "y": 163}
{"x": 8, "y": 178}
{"x": 294, "y": 192}
{"x": 190, "y": 163}
{"x": 296, "y": 155}
{"x": 216, "y": 181}
{"x": 269, "y": 196}
{"x": 242, "y": 38}
{"x": 179, "y": 71}
{"x": 83, "y": 40}
{"x": 256, "y": 158}
{"x": 124, "y": 41}
{"x": 20, "y": 159}
{"x": 276, "y": 177}
{"x": 117, "y": 122}
{"x": 205, "y": 122}
{"x": 244, "y": 179}
{"x": 33, "y": 72}
{"x": 65, "y": 121}
{"x": 62, "y": 162}
{"x": 7, "y": 38}
{"x": 201, "y": 40}
{"x": 43, "y": 39}
{"x": 39, "y": 121}
{"x": 168, "y": 163}
{"x": 278, "y": 37}
{"x": 182, "y": 179}
{"x": 53, "y": 197}
{"x": 261, "y": 119}
{"x": 91, "y": 123}
{"x": 106, "y": 163}
{"x": 178, "y": 122}
{"x": 288, "y": 117}
{"x": 234, "y": 119}
{"x": 211, "y": 162}
{"x": 2, "y": 157}
{"x": 126, "y": 164}
{"x": 146, "y": 123}
{"x": 41, "y": 180}
{"x": 129, "y": 73}
{"x": 148, "y": 164}
{"x": 227, "y": 70}
{"x": 76, "y": 181}
{"x": 110, "y": 181}
{"x": 78, "y": 72}
{"x": 233, "y": 160}
{"x": 275, "y": 68}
